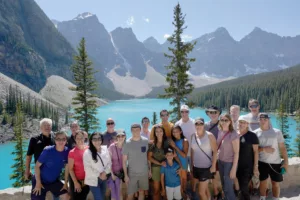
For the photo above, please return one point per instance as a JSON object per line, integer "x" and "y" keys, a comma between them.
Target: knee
{"x": 275, "y": 185}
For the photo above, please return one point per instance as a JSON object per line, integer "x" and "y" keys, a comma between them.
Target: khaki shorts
{"x": 137, "y": 183}
{"x": 155, "y": 173}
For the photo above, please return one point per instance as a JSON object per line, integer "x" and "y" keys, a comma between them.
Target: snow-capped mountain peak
{"x": 83, "y": 15}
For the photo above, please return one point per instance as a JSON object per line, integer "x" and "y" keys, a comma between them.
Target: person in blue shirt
{"x": 170, "y": 180}
{"x": 48, "y": 169}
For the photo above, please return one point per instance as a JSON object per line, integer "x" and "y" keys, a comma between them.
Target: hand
{"x": 178, "y": 171}
{"x": 163, "y": 163}
{"x": 149, "y": 174}
{"x": 232, "y": 174}
{"x": 77, "y": 187}
{"x": 102, "y": 176}
{"x": 285, "y": 166}
{"x": 65, "y": 187}
{"x": 172, "y": 143}
{"x": 212, "y": 169}
{"x": 38, "y": 188}
{"x": 27, "y": 175}
{"x": 269, "y": 149}
{"x": 163, "y": 192}
{"x": 113, "y": 177}
{"x": 126, "y": 179}
{"x": 256, "y": 172}
{"x": 150, "y": 141}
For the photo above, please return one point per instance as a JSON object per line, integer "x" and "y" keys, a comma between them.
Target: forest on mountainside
{"x": 271, "y": 89}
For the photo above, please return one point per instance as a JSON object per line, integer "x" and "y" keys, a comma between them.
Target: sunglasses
{"x": 145, "y": 122}
{"x": 184, "y": 111}
{"x": 60, "y": 139}
{"x": 225, "y": 120}
{"x": 165, "y": 115}
{"x": 253, "y": 106}
{"x": 199, "y": 124}
{"x": 96, "y": 139}
{"x": 110, "y": 123}
{"x": 213, "y": 112}
{"x": 263, "y": 119}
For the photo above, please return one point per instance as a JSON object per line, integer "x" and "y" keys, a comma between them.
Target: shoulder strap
{"x": 117, "y": 154}
{"x": 201, "y": 148}
{"x": 223, "y": 139}
{"x": 100, "y": 159}
{"x": 211, "y": 128}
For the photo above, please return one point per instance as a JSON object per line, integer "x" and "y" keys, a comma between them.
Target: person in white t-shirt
{"x": 271, "y": 146}
{"x": 252, "y": 117}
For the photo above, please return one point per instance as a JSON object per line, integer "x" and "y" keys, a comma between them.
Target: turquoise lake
{"x": 124, "y": 113}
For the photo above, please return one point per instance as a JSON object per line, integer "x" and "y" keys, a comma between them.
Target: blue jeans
{"x": 227, "y": 183}
{"x": 99, "y": 190}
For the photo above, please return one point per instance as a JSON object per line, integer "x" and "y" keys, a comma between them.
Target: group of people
{"x": 230, "y": 151}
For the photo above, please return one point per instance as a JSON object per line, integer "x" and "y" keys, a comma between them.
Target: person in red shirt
{"x": 76, "y": 168}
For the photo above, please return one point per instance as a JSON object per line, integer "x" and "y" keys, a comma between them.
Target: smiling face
{"x": 213, "y": 115}
{"x": 164, "y": 115}
{"x": 184, "y": 114}
{"x": 225, "y": 122}
{"x": 60, "y": 140}
{"x": 176, "y": 132}
{"x": 79, "y": 138}
{"x": 199, "y": 126}
{"x": 110, "y": 124}
{"x": 145, "y": 123}
{"x": 235, "y": 113}
{"x": 254, "y": 107}
{"x": 97, "y": 141}
{"x": 46, "y": 128}
{"x": 243, "y": 125}
{"x": 74, "y": 127}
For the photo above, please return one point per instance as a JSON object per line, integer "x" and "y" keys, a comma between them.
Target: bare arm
{"x": 37, "y": 172}
{"x": 213, "y": 144}
{"x": 125, "y": 157}
{"x": 67, "y": 174}
{"x": 27, "y": 165}
{"x": 71, "y": 170}
{"x": 192, "y": 160}
{"x": 152, "y": 160}
{"x": 255, "y": 151}
{"x": 236, "y": 150}
{"x": 162, "y": 181}
{"x": 284, "y": 154}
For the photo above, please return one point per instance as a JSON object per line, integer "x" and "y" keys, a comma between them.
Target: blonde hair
{"x": 235, "y": 106}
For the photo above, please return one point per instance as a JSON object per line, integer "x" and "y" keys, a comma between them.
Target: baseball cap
{"x": 264, "y": 115}
{"x": 169, "y": 150}
{"x": 184, "y": 107}
{"x": 120, "y": 132}
{"x": 199, "y": 119}
{"x": 243, "y": 118}
{"x": 213, "y": 108}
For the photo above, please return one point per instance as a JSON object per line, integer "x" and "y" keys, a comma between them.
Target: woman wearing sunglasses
{"x": 117, "y": 173}
{"x": 97, "y": 166}
{"x": 204, "y": 157}
{"x": 228, "y": 148}
{"x": 76, "y": 169}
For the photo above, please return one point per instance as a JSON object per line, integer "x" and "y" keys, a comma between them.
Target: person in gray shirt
{"x": 135, "y": 154}
{"x": 109, "y": 136}
{"x": 252, "y": 117}
{"x": 271, "y": 146}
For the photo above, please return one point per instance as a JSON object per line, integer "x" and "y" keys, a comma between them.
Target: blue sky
{"x": 154, "y": 18}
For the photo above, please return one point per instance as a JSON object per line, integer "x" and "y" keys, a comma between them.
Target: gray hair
{"x": 74, "y": 122}
{"x": 235, "y": 106}
{"x": 46, "y": 120}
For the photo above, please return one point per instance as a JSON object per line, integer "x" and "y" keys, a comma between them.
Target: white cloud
{"x": 166, "y": 36}
{"x": 186, "y": 37}
{"x": 146, "y": 19}
{"x": 130, "y": 21}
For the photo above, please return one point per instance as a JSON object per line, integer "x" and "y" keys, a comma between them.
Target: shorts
{"x": 54, "y": 188}
{"x": 202, "y": 174}
{"x": 272, "y": 170}
{"x": 173, "y": 193}
{"x": 155, "y": 173}
{"x": 137, "y": 183}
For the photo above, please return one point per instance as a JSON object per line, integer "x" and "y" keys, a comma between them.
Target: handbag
{"x": 107, "y": 175}
{"x": 217, "y": 166}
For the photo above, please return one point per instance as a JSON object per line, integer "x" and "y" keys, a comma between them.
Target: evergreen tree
{"x": 154, "y": 118}
{"x": 297, "y": 139}
{"x": 19, "y": 165}
{"x": 67, "y": 117}
{"x": 4, "y": 120}
{"x": 282, "y": 120}
{"x": 86, "y": 107}
{"x": 177, "y": 77}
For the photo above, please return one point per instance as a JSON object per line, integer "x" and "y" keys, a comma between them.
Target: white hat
{"x": 184, "y": 107}
{"x": 243, "y": 118}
